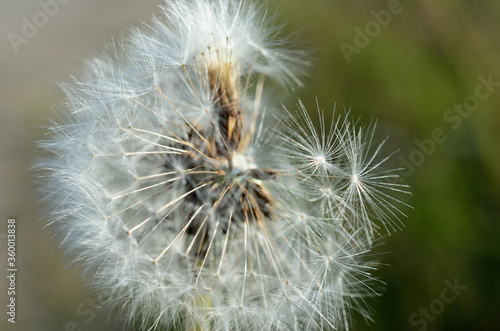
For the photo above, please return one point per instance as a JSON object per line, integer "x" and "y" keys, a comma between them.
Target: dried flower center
{"x": 234, "y": 186}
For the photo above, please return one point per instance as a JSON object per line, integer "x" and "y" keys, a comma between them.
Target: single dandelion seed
{"x": 173, "y": 188}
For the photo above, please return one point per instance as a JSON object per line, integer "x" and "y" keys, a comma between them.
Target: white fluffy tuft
{"x": 172, "y": 190}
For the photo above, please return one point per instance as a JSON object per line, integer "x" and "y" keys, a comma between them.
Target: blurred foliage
{"x": 427, "y": 58}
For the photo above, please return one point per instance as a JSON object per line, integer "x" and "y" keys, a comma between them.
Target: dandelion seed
{"x": 172, "y": 188}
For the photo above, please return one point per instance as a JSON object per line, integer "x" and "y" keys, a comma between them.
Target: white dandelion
{"x": 170, "y": 187}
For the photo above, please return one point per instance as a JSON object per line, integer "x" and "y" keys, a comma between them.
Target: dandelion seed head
{"x": 170, "y": 187}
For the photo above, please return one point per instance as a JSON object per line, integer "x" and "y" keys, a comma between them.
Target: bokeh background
{"x": 428, "y": 58}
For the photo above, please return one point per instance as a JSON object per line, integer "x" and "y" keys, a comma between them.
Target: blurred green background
{"x": 407, "y": 72}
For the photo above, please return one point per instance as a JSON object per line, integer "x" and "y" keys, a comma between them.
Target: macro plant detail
{"x": 175, "y": 184}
